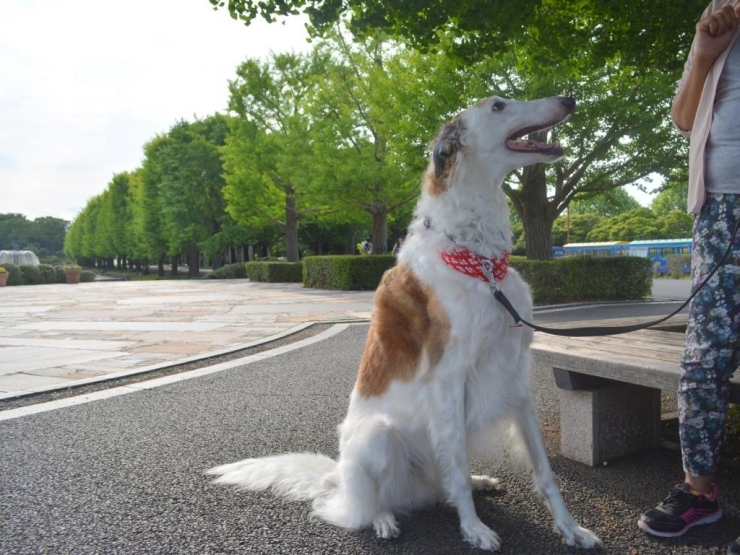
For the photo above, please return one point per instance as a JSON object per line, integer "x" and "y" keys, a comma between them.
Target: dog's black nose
{"x": 568, "y": 102}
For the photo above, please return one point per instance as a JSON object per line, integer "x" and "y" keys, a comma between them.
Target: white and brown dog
{"x": 442, "y": 363}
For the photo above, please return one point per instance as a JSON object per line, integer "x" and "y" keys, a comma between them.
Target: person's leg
{"x": 712, "y": 336}
{"x": 710, "y": 358}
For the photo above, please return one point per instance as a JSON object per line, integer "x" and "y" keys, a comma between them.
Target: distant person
{"x": 397, "y": 246}
{"x": 367, "y": 246}
{"x": 707, "y": 110}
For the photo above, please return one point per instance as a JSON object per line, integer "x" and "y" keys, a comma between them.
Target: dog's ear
{"x": 448, "y": 143}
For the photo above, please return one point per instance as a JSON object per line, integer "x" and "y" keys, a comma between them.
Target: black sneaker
{"x": 680, "y": 511}
{"x": 734, "y": 547}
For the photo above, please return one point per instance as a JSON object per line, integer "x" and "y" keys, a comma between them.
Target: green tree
{"x": 48, "y": 233}
{"x": 114, "y": 221}
{"x": 103, "y": 242}
{"x": 609, "y": 203}
{"x": 618, "y": 135}
{"x": 88, "y": 221}
{"x": 269, "y": 146}
{"x": 148, "y": 203}
{"x": 674, "y": 194}
{"x": 620, "y": 60}
{"x": 575, "y": 229}
{"x": 15, "y": 231}
{"x": 191, "y": 190}
{"x": 630, "y": 226}
{"x": 676, "y": 225}
{"x": 73, "y": 238}
{"x": 646, "y": 34}
{"x": 374, "y": 114}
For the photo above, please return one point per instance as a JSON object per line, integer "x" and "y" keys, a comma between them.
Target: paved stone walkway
{"x": 54, "y": 335}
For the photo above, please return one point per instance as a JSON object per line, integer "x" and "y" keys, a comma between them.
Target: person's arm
{"x": 714, "y": 33}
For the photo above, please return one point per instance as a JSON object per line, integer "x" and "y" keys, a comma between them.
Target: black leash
{"x": 594, "y": 331}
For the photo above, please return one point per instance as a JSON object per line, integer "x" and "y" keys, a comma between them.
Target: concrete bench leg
{"x": 605, "y": 423}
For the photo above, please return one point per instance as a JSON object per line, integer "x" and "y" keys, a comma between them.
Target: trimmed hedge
{"x": 15, "y": 277}
{"x": 31, "y": 275}
{"x": 229, "y": 271}
{"x": 677, "y": 263}
{"x": 586, "y": 278}
{"x": 41, "y": 274}
{"x": 48, "y": 273}
{"x": 566, "y": 280}
{"x": 61, "y": 274}
{"x": 346, "y": 272}
{"x": 275, "y": 272}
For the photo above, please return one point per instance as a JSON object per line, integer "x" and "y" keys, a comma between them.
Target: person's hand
{"x": 714, "y": 33}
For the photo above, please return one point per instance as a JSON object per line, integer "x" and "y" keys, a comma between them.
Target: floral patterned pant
{"x": 712, "y": 338}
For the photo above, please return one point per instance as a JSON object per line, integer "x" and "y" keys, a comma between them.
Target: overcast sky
{"x": 85, "y": 83}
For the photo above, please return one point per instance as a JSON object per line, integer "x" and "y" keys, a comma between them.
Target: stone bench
{"x": 610, "y": 387}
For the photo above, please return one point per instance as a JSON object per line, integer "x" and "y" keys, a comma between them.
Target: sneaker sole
{"x": 706, "y": 520}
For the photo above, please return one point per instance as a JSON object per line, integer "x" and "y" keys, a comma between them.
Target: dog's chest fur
{"x": 433, "y": 325}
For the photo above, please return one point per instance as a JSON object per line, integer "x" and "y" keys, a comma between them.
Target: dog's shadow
{"x": 437, "y": 530}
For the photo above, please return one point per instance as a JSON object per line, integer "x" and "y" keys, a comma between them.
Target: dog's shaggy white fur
{"x": 442, "y": 363}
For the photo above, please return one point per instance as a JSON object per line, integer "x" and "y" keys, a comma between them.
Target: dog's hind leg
{"x": 529, "y": 429}
{"x": 365, "y": 470}
{"x": 449, "y": 440}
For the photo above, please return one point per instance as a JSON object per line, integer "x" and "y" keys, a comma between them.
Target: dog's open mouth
{"x": 516, "y": 143}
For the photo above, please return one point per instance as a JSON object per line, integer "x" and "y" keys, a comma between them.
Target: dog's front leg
{"x": 572, "y": 533}
{"x": 448, "y": 434}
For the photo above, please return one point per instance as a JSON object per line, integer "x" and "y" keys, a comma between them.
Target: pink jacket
{"x": 703, "y": 122}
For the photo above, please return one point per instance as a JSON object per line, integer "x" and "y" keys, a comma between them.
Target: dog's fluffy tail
{"x": 299, "y": 476}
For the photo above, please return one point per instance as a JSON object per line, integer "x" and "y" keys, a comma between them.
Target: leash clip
{"x": 487, "y": 269}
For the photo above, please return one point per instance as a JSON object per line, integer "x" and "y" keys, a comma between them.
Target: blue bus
{"x": 602, "y": 249}
{"x": 657, "y": 250}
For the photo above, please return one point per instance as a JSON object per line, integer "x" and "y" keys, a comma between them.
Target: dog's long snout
{"x": 568, "y": 102}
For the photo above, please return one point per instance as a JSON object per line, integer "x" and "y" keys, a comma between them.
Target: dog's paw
{"x": 385, "y": 526}
{"x": 481, "y": 536}
{"x": 484, "y": 483}
{"x": 576, "y": 536}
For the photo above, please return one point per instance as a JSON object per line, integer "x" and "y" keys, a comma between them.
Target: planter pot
{"x": 73, "y": 276}
{"x": 4, "y": 280}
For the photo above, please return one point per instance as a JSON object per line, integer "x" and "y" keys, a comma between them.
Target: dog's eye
{"x": 498, "y": 106}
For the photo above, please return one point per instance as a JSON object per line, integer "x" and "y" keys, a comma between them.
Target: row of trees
{"x": 621, "y": 60}
{"x": 44, "y": 236}
{"x": 317, "y": 145}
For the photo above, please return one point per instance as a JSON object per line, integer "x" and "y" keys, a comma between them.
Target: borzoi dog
{"x": 443, "y": 362}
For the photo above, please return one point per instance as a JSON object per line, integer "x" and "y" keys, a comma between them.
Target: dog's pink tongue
{"x": 528, "y": 145}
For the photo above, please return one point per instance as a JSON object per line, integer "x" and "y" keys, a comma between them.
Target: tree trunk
{"x": 380, "y": 230}
{"x": 539, "y": 239}
{"x": 194, "y": 263}
{"x": 218, "y": 260}
{"x": 160, "y": 266}
{"x": 291, "y": 227}
{"x": 351, "y": 245}
{"x": 537, "y": 218}
{"x": 175, "y": 262}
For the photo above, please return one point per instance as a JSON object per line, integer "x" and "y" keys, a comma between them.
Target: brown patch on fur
{"x": 481, "y": 103}
{"x": 444, "y": 157}
{"x": 408, "y": 319}
{"x": 434, "y": 185}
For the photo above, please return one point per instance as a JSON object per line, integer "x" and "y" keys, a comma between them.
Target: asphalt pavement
{"x": 122, "y": 470}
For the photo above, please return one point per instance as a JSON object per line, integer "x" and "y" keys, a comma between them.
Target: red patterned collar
{"x": 471, "y": 264}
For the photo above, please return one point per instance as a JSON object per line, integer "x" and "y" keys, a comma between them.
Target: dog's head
{"x": 492, "y": 134}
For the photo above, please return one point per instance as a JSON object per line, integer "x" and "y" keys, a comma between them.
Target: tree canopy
{"x": 646, "y": 34}
{"x": 44, "y": 236}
